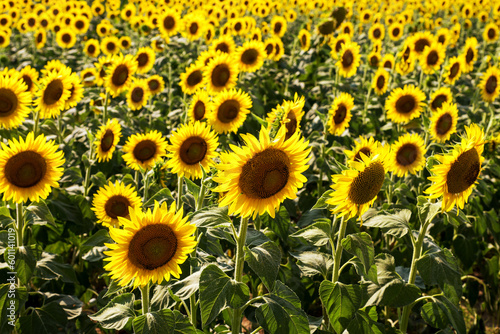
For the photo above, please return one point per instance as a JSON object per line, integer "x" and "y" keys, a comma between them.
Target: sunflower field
{"x": 249, "y": 166}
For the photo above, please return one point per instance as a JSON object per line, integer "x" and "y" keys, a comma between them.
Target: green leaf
{"x": 265, "y": 261}
{"x": 163, "y": 322}
{"x": 442, "y": 312}
{"x": 116, "y": 313}
{"x": 193, "y": 188}
{"x": 441, "y": 268}
{"x": 162, "y": 195}
{"x": 321, "y": 203}
{"x": 361, "y": 246}
{"x": 98, "y": 239}
{"x": 426, "y": 209}
{"x": 70, "y": 304}
{"x": 397, "y": 224}
{"x": 318, "y": 234}
{"x": 211, "y": 217}
{"x": 49, "y": 267}
{"x": 282, "y": 313}
{"x": 24, "y": 263}
{"x": 10, "y": 295}
{"x": 314, "y": 263}
{"x": 395, "y": 293}
{"x": 41, "y": 213}
{"x": 186, "y": 287}
{"x": 341, "y": 302}
{"x": 371, "y": 275}
{"x": 363, "y": 324}
{"x": 218, "y": 291}
{"x": 48, "y": 319}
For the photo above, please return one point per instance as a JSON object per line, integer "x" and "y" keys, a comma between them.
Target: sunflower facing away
{"x": 107, "y": 138}
{"x": 14, "y": 101}
{"x": 407, "y": 155}
{"x": 444, "y": 122}
{"x": 29, "y": 168}
{"x": 349, "y": 59}
{"x": 258, "y": 177}
{"x": 55, "y": 92}
{"x": 199, "y": 106}
{"x": 340, "y": 113}
{"x": 192, "y": 145}
{"x": 151, "y": 246}
{"x": 291, "y": 115}
{"x": 228, "y": 110}
{"x": 458, "y": 171}
{"x": 113, "y": 201}
{"x": 366, "y": 146}
{"x": 356, "y": 188}
{"x": 144, "y": 150}
{"x": 404, "y": 104}
{"x": 490, "y": 84}
{"x": 119, "y": 74}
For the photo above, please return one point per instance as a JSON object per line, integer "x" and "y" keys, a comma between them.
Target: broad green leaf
{"x": 441, "y": 312}
{"x": 41, "y": 213}
{"x": 162, "y": 195}
{"x": 371, "y": 275}
{"x": 70, "y": 304}
{"x": 393, "y": 224}
{"x": 426, "y": 209}
{"x": 314, "y": 263}
{"x": 386, "y": 269}
{"x": 49, "y": 267}
{"x": 265, "y": 261}
{"x": 466, "y": 250}
{"x": 97, "y": 239}
{"x": 193, "y": 188}
{"x": 218, "y": 291}
{"x": 361, "y": 246}
{"x": 321, "y": 203}
{"x": 363, "y": 324}
{"x": 395, "y": 293}
{"x": 25, "y": 260}
{"x": 47, "y": 319}
{"x": 282, "y": 312}
{"x": 161, "y": 322}
{"x": 186, "y": 287}
{"x": 211, "y": 217}
{"x": 318, "y": 234}
{"x": 441, "y": 268}
{"x": 341, "y": 302}
{"x": 10, "y": 294}
{"x": 116, "y": 313}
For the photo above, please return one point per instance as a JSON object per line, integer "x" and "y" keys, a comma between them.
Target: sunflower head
{"x": 144, "y": 150}
{"x": 199, "y": 106}
{"x": 380, "y": 81}
{"x": 107, "y": 138}
{"x": 490, "y": 84}
{"x": 120, "y": 73}
{"x": 407, "y": 155}
{"x": 349, "y": 59}
{"x": 151, "y": 246}
{"x": 404, "y": 104}
{"x": 145, "y": 59}
{"x": 367, "y": 146}
{"x": 250, "y": 56}
{"x": 192, "y": 78}
{"x": 15, "y": 100}
{"x": 56, "y": 90}
{"x": 340, "y": 113}
{"x": 228, "y": 110}
{"x": 444, "y": 122}
{"x": 289, "y": 114}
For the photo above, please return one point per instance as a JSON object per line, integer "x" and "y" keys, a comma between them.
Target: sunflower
{"x": 110, "y": 45}
{"x": 458, "y": 171}
{"x": 432, "y": 57}
{"x": 404, "y": 104}
{"x": 29, "y": 168}
{"x": 193, "y": 26}
{"x": 209, "y": 33}
{"x": 374, "y": 59}
{"x": 278, "y": 26}
{"x": 366, "y": 146}
{"x": 250, "y": 56}
{"x": 269, "y": 47}
{"x": 125, "y": 42}
{"x": 490, "y": 33}
{"x": 145, "y": 59}
{"x": 192, "y": 145}
{"x": 40, "y": 38}
{"x": 376, "y": 32}
{"x": 407, "y": 155}
{"x": 356, "y": 188}
{"x": 340, "y": 113}
{"x": 30, "y": 77}
{"x": 54, "y": 93}
{"x": 76, "y": 91}
{"x": 15, "y": 100}
{"x": 224, "y": 43}
{"x": 349, "y": 59}
{"x": 81, "y": 24}
{"x": 470, "y": 54}
{"x": 257, "y": 177}
{"x": 396, "y": 31}
{"x": 115, "y": 200}
{"x": 199, "y": 106}
{"x": 406, "y": 63}
{"x": 304, "y": 39}
{"x": 151, "y": 246}
{"x": 490, "y": 84}
{"x": 221, "y": 73}
{"x": 229, "y": 110}
{"x": 92, "y": 48}
{"x": 279, "y": 48}
{"x": 290, "y": 114}
{"x": 119, "y": 74}
{"x": 192, "y": 78}
{"x": 89, "y": 76}
{"x": 156, "y": 84}
{"x": 443, "y": 36}
{"x": 453, "y": 70}
{"x": 66, "y": 38}
{"x": 103, "y": 64}
{"x": 107, "y": 138}
{"x": 380, "y": 81}
{"x": 420, "y": 40}
{"x": 440, "y": 96}
{"x": 138, "y": 94}
{"x": 444, "y": 122}
{"x": 144, "y": 150}
{"x": 347, "y": 28}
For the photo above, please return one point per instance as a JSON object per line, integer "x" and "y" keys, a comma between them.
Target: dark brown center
{"x": 25, "y": 169}
{"x": 405, "y": 104}
{"x": 228, "y": 111}
{"x": 463, "y": 172}
{"x": 142, "y": 59}
{"x": 432, "y": 58}
{"x": 53, "y": 92}
{"x": 137, "y": 94}
{"x": 407, "y": 154}
{"x": 248, "y": 57}
{"x": 8, "y": 102}
{"x": 367, "y": 184}
{"x": 380, "y": 82}
{"x": 117, "y": 206}
{"x": 152, "y": 246}
{"x": 120, "y": 75}
{"x": 220, "y": 75}
{"x": 443, "y": 124}
{"x": 193, "y": 150}
{"x": 438, "y": 101}
{"x": 491, "y": 84}
{"x": 347, "y": 59}
{"x": 107, "y": 140}
{"x": 340, "y": 114}
{"x": 194, "y": 78}
{"x": 145, "y": 150}
{"x": 199, "y": 110}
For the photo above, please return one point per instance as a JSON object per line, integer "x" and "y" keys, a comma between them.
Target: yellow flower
{"x": 15, "y": 100}
{"x": 107, "y": 138}
{"x": 92, "y": 48}
{"x": 368, "y": 147}
{"x": 66, "y": 38}
{"x": 192, "y": 78}
{"x": 404, "y": 104}
{"x": 156, "y": 84}
{"x": 199, "y": 106}
{"x": 55, "y": 92}
{"x": 453, "y": 70}
{"x": 470, "y": 54}
{"x": 220, "y": 74}
{"x": 290, "y": 114}
{"x": 340, "y": 113}
{"x": 380, "y": 81}
{"x": 304, "y": 39}
{"x": 432, "y": 57}
{"x": 145, "y": 58}
{"x": 490, "y": 84}
{"x": 144, "y": 150}
{"x": 119, "y": 74}
{"x": 228, "y": 110}
{"x": 110, "y": 45}
{"x": 444, "y": 122}
{"x": 138, "y": 94}
{"x": 250, "y": 56}
{"x": 349, "y": 59}
{"x": 407, "y": 155}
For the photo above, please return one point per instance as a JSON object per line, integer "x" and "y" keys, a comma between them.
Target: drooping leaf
{"x": 321, "y": 203}
{"x": 211, "y": 217}
{"x": 48, "y": 319}
{"x": 265, "y": 261}
{"x": 395, "y": 293}
{"x": 50, "y": 267}
{"x": 318, "y": 234}
{"x": 314, "y": 263}
{"x": 360, "y": 245}
{"x": 163, "y": 322}
{"x": 116, "y": 313}
{"x": 392, "y": 224}
{"x": 441, "y": 312}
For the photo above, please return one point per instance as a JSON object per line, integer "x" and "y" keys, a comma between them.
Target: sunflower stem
{"x": 179, "y": 192}
{"x": 490, "y": 123}
{"x": 146, "y": 187}
{"x": 145, "y": 298}
{"x": 338, "y": 250}
{"x": 417, "y": 252}
{"x": 238, "y": 271}
{"x": 19, "y": 230}
{"x": 36, "y": 120}
{"x": 105, "y": 112}
{"x": 365, "y": 109}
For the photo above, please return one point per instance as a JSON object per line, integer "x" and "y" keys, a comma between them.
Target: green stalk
{"x": 86, "y": 184}
{"x": 490, "y": 123}
{"x": 417, "y": 253}
{"x": 146, "y": 187}
{"x": 36, "y": 120}
{"x": 105, "y": 112}
{"x": 179, "y": 192}
{"x": 338, "y": 250}
{"x": 19, "y": 230}
{"x": 145, "y": 298}
{"x": 238, "y": 271}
